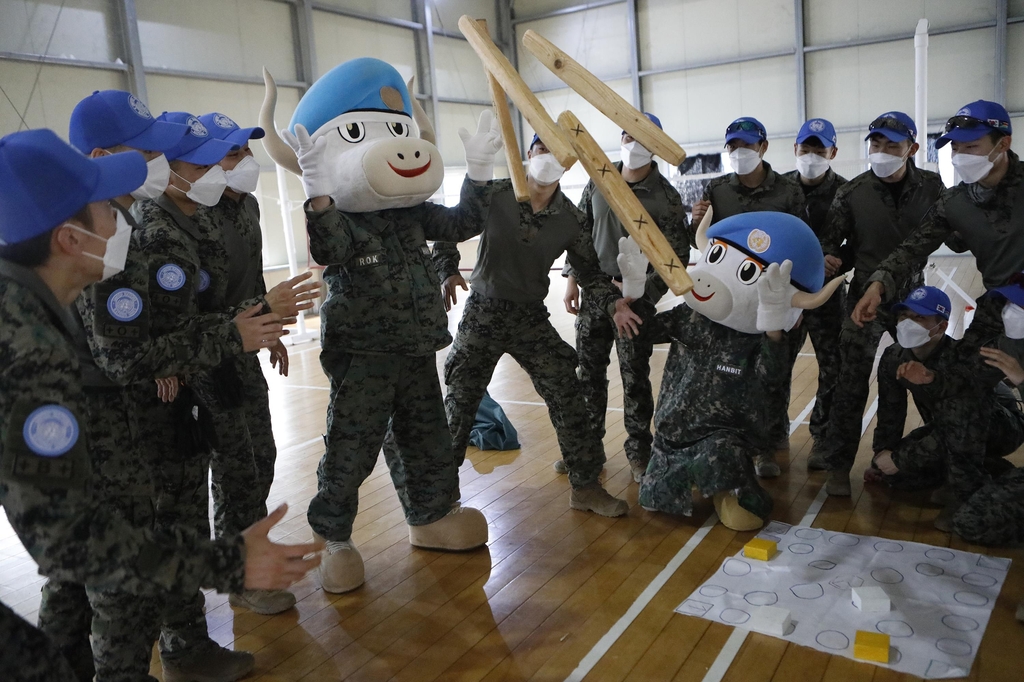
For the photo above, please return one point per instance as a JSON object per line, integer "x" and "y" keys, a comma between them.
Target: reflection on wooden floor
{"x": 552, "y": 581}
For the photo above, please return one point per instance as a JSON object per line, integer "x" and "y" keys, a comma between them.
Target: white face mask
{"x": 1013, "y": 320}
{"x": 207, "y": 190}
{"x": 244, "y": 176}
{"x": 634, "y": 156}
{"x": 158, "y": 174}
{"x": 883, "y": 165}
{"x": 812, "y": 166}
{"x": 910, "y": 334}
{"x": 545, "y": 169}
{"x": 744, "y": 161}
{"x": 117, "y": 247}
{"x": 972, "y": 167}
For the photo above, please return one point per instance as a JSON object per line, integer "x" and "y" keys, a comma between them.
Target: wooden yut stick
{"x": 627, "y": 207}
{"x": 606, "y": 100}
{"x": 508, "y": 134}
{"x": 498, "y": 65}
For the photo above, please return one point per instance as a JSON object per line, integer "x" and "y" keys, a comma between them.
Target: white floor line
{"x": 527, "y": 402}
{"x": 795, "y": 424}
{"x": 311, "y": 388}
{"x": 732, "y": 646}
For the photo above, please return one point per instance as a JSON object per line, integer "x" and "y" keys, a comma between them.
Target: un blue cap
{"x": 819, "y": 128}
{"x": 774, "y": 237}
{"x": 926, "y": 301}
{"x": 108, "y": 118}
{"x": 896, "y": 126}
{"x": 746, "y": 128}
{"x": 44, "y": 181}
{"x": 653, "y": 119}
{"x": 363, "y": 84}
{"x": 199, "y": 146}
{"x": 974, "y": 121}
{"x": 222, "y": 127}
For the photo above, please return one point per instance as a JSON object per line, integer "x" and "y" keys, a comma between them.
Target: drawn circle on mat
{"x": 887, "y": 546}
{"x": 735, "y": 567}
{"x": 954, "y": 647}
{"x": 930, "y": 570}
{"x": 822, "y": 564}
{"x": 760, "y": 598}
{"x": 979, "y": 580}
{"x": 808, "y": 533}
{"x": 895, "y": 628}
{"x": 807, "y": 591}
{"x": 833, "y": 639}
{"x": 734, "y": 616}
{"x": 844, "y": 541}
{"x": 774, "y": 538}
{"x": 712, "y": 591}
{"x": 968, "y": 598}
{"x": 887, "y": 576}
{"x": 846, "y": 582}
{"x": 940, "y": 554}
{"x": 800, "y": 548}
{"x": 960, "y": 623}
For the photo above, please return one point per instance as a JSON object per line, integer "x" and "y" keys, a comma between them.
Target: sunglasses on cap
{"x": 969, "y": 122}
{"x": 886, "y": 122}
{"x": 744, "y": 126}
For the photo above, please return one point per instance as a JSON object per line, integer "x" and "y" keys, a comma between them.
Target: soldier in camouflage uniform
{"x": 28, "y": 655}
{"x": 506, "y": 314}
{"x": 754, "y": 186}
{"x": 595, "y": 331}
{"x": 815, "y": 146}
{"x": 46, "y": 472}
{"x": 872, "y": 213}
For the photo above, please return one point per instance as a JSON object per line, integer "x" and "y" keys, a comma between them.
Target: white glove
{"x": 482, "y": 147}
{"x": 775, "y": 298}
{"x": 633, "y": 268}
{"x": 316, "y": 176}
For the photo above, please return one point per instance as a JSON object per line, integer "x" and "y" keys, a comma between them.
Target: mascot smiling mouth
{"x": 700, "y": 298}
{"x": 411, "y": 172}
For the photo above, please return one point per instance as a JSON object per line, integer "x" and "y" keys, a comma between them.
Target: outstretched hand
{"x": 774, "y": 297}
{"x": 312, "y": 157}
{"x": 270, "y": 566}
{"x": 482, "y": 147}
{"x": 915, "y": 372}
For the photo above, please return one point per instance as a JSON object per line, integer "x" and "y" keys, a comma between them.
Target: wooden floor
{"x": 552, "y": 581}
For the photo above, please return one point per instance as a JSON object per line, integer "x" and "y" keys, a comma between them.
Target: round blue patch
{"x": 204, "y": 280}
{"x": 124, "y": 305}
{"x": 50, "y": 431}
{"x": 170, "y": 277}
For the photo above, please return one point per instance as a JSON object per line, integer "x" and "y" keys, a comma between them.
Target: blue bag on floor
{"x": 492, "y": 430}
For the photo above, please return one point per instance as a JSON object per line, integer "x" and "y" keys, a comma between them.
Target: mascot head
{"x": 736, "y": 250}
{"x": 379, "y": 139}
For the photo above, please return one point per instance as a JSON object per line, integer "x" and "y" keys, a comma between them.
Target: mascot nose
{"x": 402, "y": 156}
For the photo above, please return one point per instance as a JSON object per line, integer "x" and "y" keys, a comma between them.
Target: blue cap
{"x": 894, "y": 125}
{"x": 974, "y": 121}
{"x": 748, "y": 129}
{"x": 221, "y": 127}
{"x": 773, "y": 237}
{"x": 926, "y": 301}
{"x": 199, "y": 146}
{"x": 535, "y": 140}
{"x": 819, "y": 128}
{"x": 107, "y": 118}
{"x": 44, "y": 181}
{"x": 653, "y": 119}
{"x": 357, "y": 85}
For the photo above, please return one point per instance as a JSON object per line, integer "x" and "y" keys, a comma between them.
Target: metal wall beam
{"x": 1002, "y": 14}
{"x": 567, "y": 10}
{"x": 61, "y": 61}
{"x": 801, "y": 62}
{"x": 128, "y": 22}
{"x": 900, "y": 36}
{"x": 634, "y": 52}
{"x": 305, "y": 45}
{"x": 352, "y": 14}
{"x": 220, "y": 77}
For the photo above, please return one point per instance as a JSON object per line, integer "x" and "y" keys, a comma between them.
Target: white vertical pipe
{"x": 921, "y": 90}
{"x": 289, "y": 238}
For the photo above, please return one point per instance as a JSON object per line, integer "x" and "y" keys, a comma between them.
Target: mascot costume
{"x": 365, "y": 152}
{"x": 757, "y": 273}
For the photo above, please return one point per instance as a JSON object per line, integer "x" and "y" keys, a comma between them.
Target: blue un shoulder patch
{"x": 204, "y": 280}
{"x": 124, "y": 305}
{"x": 50, "y": 430}
{"x": 170, "y": 277}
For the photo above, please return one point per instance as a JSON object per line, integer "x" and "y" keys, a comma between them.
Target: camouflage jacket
{"x": 992, "y": 228}
{"x": 517, "y": 248}
{"x": 45, "y": 469}
{"x": 136, "y": 329}
{"x": 231, "y": 249}
{"x": 729, "y": 196}
{"x": 818, "y": 198}
{"x": 384, "y": 295}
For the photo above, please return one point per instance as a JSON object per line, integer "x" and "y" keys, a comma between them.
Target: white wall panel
{"x": 58, "y": 91}
{"x": 83, "y": 29}
{"x": 453, "y": 117}
{"x": 834, "y": 21}
{"x": 1015, "y": 67}
{"x": 606, "y": 132}
{"x": 339, "y": 39}
{"x": 459, "y": 71}
{"x": 396, "y": 9}
{"x": 961, "y": 69}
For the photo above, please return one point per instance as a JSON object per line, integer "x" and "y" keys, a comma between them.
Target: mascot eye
{"x": 749, "y": 272}
{"x": 399, "y": 129}
{"x": 716, "y": 253}
{"x": 352, "y": 132}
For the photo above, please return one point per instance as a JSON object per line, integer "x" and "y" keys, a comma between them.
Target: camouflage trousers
{"x": 824, "y": 325}
{"x": 994, "y": 515}
{"x": 778, "y": 387}
{"x": 28, "y": 655}
{"x": 367, "y": 393}
{"x": 489, "y": 329}
{"x": 595, "y": 336}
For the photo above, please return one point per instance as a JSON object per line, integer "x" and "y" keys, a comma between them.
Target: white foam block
{"x": 870, "y": 599}
{"x": 771, "y": 620}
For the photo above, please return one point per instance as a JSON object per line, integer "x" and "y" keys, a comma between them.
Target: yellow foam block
{"x": 871, "y": 646}
{"x": 760, "y": 549}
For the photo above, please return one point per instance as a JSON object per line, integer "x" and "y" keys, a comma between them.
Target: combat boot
{"x": 208, "y": 663}
{"x": 816, "y": 460}
{"x": 765, "y": 465}
{"x": 595, "y": 498}
{"x": 264, "y": 602}
{"x": 638, "y": 469}
{"x": 341, "y": 566}
{"x": 732, "y": 515}
{"x": 838, "y": 483}
{"x": 460, "y": 529}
